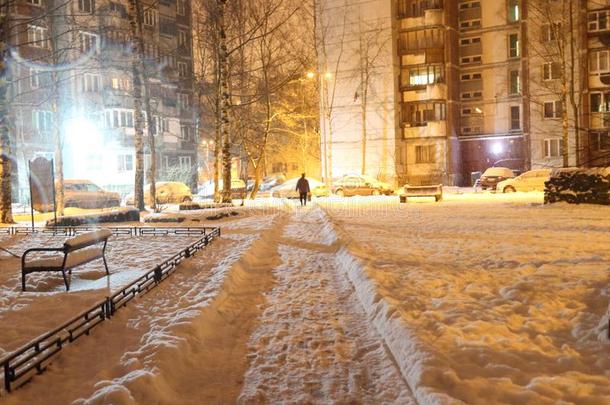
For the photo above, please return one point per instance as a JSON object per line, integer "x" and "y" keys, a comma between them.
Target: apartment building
{"x": 508, "y": 83}
{"x": 595, "y": 139}
{"x": 72, "y": 75}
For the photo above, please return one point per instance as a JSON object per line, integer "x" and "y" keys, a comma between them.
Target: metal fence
{"x": 33, "y": 358}
{"x": 116, "y": 230}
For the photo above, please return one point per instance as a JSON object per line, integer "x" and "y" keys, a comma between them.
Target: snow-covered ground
{"x": 479, "y": 299}
{"x": 487, "y": 301}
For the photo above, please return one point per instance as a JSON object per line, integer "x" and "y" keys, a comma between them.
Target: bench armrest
{"x": 39, "y": 250}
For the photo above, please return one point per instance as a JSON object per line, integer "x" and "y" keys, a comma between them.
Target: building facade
{"x": 73, "y": 84}
{"x": 481, "y": 83}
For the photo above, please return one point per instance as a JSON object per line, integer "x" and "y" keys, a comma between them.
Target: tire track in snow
{"x": 314, "y": 343}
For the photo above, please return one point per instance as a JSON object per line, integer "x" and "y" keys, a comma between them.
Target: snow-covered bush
{"x": 118, "y": 215}
{"x": 578, "y": 186}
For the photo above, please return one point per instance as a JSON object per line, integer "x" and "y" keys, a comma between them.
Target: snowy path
{"x": 314, "y": 343}
{"x": 261, "y": 316}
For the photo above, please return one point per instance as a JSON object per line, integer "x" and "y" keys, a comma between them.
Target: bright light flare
{"x": 82, "y": 135}
{"x": 497, "y": 148}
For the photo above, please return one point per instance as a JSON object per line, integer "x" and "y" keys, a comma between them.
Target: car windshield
{"x": 92, "y": 188}
{"x": 498, "y": 171}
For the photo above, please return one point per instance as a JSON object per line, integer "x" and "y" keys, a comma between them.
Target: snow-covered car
{"x": 351, "y": 185}
{"x": 167, "y": 192}
{"x": 238, "y": 189}
{"x": 288, "y": 189}
{"x": 84, "y": 194}
{"x": 493, "y": 175}
{"x": 529, "y": 181}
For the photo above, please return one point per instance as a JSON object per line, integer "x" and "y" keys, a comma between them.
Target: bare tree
{"x": 135, "y": 21}
{"x": 561, "y": 63}
{"x": 330, "y": 52}
{"x": 372, "y": 42}
{"x": 6, "y": 213}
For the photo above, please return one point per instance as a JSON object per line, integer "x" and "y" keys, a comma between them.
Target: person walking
{"x": 303, "y": 189}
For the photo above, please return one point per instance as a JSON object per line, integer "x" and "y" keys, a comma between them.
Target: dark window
{"x": 515, "y": 118}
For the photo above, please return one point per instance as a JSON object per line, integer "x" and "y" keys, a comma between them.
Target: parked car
{"x": 351, "y": 185}
{"x": 84, "y": 194}
{"x": 238, "y": 189}
{"x": 529, "y": 181}
{"x": 167, "y": 192}
{"x": 492, "y": 176}
{"x": 288, "y": 189}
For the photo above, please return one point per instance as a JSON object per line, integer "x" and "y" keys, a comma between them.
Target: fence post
{"x": 7, "y": 376}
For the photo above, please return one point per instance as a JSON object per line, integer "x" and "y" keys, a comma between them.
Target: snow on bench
{"x": 435, "y": 191}
{"x": 76, "y": 251}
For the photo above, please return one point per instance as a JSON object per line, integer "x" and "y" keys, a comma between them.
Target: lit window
{"x": 35, "y": 2}
{"x": 422, "y": 75}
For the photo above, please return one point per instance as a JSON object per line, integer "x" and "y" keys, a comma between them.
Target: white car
{"x": 529, "y": 181}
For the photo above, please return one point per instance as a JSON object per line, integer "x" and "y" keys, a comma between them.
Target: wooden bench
{"x": 76, "y": 251}
{"x": 435, "y": 191}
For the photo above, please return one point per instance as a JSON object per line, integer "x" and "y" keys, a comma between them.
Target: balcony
{"x": 431, "y": 130}
{"x": 429, "y": 19}
{"x": 417, "y": 8}
{"x": 600, "y": 120}
{"x": 433, "y": 91}
{"x": 422, "y": 113}
{"x": 597, "y": 80}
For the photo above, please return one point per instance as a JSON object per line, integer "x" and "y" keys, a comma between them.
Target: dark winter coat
{"x": 302, "y": 185}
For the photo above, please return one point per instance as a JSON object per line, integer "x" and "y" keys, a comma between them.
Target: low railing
{"x": 32, "y": 358}
{"x": 116, "y": 230}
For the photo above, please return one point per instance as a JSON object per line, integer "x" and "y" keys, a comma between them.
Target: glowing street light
{"x": 497, "y": 148}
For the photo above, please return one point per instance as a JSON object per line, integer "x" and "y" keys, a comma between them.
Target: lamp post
{"x": 326, "y": 129}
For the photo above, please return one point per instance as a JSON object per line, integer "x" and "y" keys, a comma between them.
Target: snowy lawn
{"x": 171, "y": 345}
{"x": 486, "y": 298}
{"x": 46, "y": 303}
